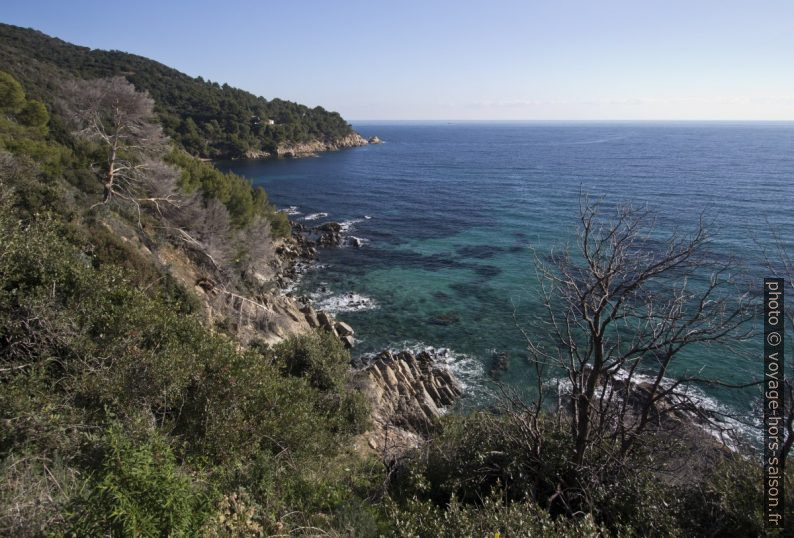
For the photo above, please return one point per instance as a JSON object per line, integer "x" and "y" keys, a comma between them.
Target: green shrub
{"x": 481, "y": 451}
{"x": 730, "y": 502}
{"x": 138, "y": 491}
{"x": 525, "y": 519}
{"x": 12, "y": 95}
{"x": 319, "y": 357}
{"x": 242, "y": 201}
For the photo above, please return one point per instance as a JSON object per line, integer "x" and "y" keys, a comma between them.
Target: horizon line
{"x": 574, "y": 120}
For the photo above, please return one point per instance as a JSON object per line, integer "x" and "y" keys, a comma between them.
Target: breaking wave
{"x": 341, "y": 302}
{"x": 315, "y": 216}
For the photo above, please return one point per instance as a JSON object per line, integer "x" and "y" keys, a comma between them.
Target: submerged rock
{"x": 447, "y": 318}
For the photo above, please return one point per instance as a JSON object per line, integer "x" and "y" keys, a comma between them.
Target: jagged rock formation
{"x": 408, "y": 394}
{"x": 325, "y": 321}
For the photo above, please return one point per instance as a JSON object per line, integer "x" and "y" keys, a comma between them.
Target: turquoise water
{"x": 455, "y": 209}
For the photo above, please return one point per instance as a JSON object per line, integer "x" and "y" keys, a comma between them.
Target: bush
{"x": 423, "y": 518}
{"x": 139, "y": 491}
{"x": 242, "y": 201}
{"x": 730, "y": 502}
{"x": 319, "y": 357}
{"x": 482, "y": 451}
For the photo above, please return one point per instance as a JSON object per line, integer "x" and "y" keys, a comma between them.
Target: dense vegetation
{"x": 120, "y": 411}
{"x": 123, "y": 412}
{"x": 208, "y": 119}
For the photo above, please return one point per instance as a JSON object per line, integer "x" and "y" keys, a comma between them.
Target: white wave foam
{"x": 315, "y": 216}
{"x": 726, "y": 425}
{"x": 352, "y": 240}
{"x": 367, "y": 217}
{"x": 291, "y": 210}
{"x": 346, "y": 225}
{"x": 343, "y": 302}
{"x": 301, "y": 268}
{"x": 466, "y": 369}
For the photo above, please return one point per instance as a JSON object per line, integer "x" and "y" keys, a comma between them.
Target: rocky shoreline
{"x": 407, "y": 393}
{"x": 308, "y": 149}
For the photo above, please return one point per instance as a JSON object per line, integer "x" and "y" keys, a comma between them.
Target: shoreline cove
{"x": 467, "y": 374}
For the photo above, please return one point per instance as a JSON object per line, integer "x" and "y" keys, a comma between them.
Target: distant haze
{"x": 498, "y": 60}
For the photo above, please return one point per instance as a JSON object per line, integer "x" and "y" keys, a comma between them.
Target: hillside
{"x": 145, "y": 345}
{"x": 208, "y": 119}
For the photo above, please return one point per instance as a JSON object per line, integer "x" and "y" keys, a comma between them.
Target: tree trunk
{"x": 111, "y": 175}
{"x": 585, "y": 399}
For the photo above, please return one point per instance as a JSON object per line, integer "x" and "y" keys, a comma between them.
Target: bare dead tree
{"x": 121, "y": 121}
{"x": 622, "y": 307}
{"x": 257, "y": 248}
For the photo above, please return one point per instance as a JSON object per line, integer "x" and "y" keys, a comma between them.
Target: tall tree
{"x": 121, "y": 121}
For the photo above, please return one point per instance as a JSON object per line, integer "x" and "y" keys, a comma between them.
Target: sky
{"x": 462, "y": 60}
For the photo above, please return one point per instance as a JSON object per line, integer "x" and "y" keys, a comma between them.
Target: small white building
{"x": 256, "y": 121}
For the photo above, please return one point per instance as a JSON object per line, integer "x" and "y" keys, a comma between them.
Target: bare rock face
{"x": 311, "y": 316}
{"x": 325, "y": 321}
{"x": 317, "y": 146}
{"x": 266, "y": 316}
{"x": 256, "y": 154}
{"x": 408, "y": 394}
{"x": 343, "y": 328}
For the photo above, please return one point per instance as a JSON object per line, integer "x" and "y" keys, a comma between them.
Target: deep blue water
{"x": 455, "y": 207}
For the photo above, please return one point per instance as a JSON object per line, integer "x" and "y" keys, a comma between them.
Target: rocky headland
{"x": 306, "y": 149}
{"x": 310, "y": 148}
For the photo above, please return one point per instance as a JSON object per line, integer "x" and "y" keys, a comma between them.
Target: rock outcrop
{"x": 256, "y": 154}
{"x": 499, "y": 364}
{"x": 375, "y": 140}
{"x": 328, "y": 234}
{"x": 325, "y": 321}
{"x": 408, "y": 394}
{"x": 306, "y": 149}
{"x": 265, "y": 315}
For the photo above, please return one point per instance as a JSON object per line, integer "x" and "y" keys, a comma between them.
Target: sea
{"x": 450, "y": 218}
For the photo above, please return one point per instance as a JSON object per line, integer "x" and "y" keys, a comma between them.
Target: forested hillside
{"x": 129, "y": 403}
{"x": 208, "y": 119}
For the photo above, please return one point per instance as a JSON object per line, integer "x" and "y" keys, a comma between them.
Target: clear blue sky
{"x": 555, "y": 59}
